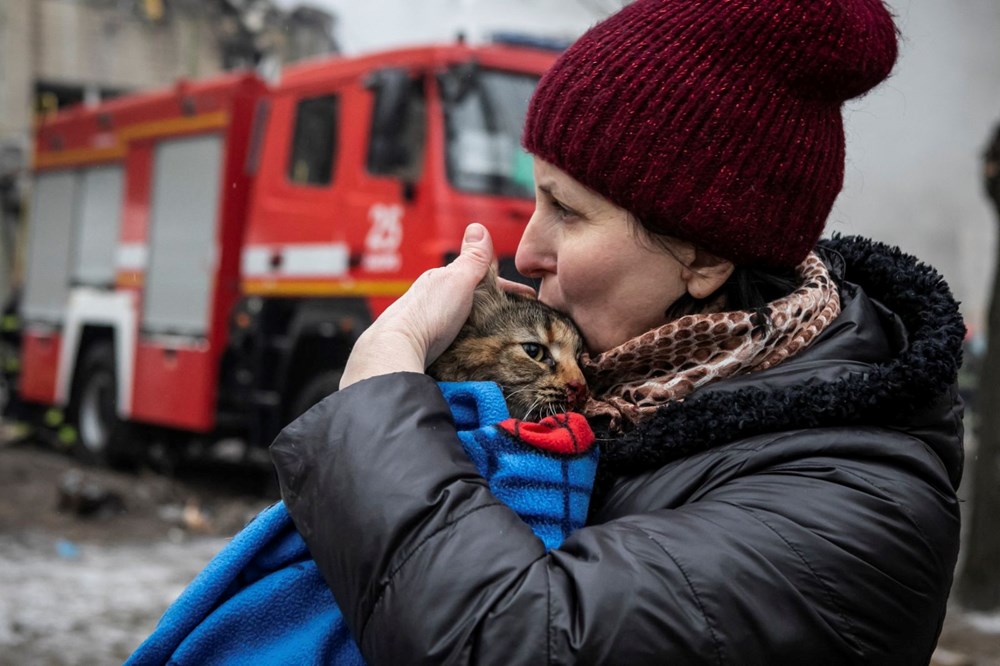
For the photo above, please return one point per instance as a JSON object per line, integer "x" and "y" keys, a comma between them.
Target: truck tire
{"x": 6, "y": 392}
{"x": 315, "y": 389}
{"x": 101, "y": 436}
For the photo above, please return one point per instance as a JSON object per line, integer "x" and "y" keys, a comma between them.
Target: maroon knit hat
{"x": 715, "y": 121}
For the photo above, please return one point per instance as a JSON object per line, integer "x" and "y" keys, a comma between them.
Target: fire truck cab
{"x": 201, "y": 259}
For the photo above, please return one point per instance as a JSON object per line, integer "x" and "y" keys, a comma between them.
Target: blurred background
{"x": 914, "y": 178}
{"x": 914, "y": 145}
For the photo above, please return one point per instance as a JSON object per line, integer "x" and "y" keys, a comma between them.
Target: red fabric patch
{"x": 563, "y": 434}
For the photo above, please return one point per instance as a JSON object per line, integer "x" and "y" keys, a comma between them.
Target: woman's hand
{"x": 418, "y": 327}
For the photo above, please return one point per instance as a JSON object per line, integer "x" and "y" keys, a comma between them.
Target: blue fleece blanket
{"x": 262, "y": 600}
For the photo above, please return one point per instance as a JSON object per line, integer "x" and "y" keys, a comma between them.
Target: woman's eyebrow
{"x": 552, "y": 189}
{"x": 549, "y": 189}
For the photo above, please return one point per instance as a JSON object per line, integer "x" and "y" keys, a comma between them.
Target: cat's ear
{"x": 487, "y": 298}
{"x": 490, "y": 281}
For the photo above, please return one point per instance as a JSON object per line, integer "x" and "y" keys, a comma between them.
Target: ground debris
{"x": 86, "y": 498}
{"x": 190, "y": 515}
{"x": 943, "y": 657}
{"x": 80, "y": 590}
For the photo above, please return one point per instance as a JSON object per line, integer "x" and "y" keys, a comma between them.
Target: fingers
{"x": 477, "y": 251}
{"x": 476, "y": 255}
{"x": 419, "y": 326}
{"x": 512, "y": 287}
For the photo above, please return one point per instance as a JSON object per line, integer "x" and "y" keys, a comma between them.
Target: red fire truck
{"x": 201, "y": 259}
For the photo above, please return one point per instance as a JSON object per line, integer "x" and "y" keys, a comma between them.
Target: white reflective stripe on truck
{"x": 296, "y": 260}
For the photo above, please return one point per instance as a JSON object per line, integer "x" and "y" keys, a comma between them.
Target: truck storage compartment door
{"x": 174, "y": 377}
{"x": 100, "y": 218}
{"x": 50, "y": 235}
{"x": 184, "y": 210}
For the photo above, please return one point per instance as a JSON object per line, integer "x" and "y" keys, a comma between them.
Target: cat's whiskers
{"x": 519, "y": 391}
{"x": 532, "y": 408}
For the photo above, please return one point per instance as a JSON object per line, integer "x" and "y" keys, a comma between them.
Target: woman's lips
{"x": 545, "y": 296}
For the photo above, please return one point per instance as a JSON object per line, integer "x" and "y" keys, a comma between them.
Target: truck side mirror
{"x": 458, "y": 81}
{"x": 409, "y": 192}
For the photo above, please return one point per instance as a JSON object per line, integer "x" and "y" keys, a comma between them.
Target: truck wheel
{"x": 7, "y": 354}
{"x": 101, "y": 437}
{"x": 315, "y": 389}
{"x": 5, "y": 394}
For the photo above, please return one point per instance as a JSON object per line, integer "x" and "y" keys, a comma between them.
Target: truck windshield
{"x": 484, "y": 114}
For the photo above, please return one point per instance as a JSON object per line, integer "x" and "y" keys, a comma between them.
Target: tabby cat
{"x": 526, "y": 347}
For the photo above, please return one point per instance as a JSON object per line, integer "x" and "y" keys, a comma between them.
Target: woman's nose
{"x": 534, "y": 258}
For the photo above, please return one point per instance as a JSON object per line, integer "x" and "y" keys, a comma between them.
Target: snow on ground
{"x": 64, "y": 603}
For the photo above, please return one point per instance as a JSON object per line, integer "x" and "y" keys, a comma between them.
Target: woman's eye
{"x": 536, "y": 351}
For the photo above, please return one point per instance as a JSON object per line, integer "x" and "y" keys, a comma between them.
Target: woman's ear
{"x": 705, "y": 273}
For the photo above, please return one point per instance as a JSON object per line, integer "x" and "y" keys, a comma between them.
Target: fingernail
{"x": 474, "y": 233}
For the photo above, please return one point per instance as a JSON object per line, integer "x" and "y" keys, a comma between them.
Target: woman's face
{"x": 594, "y": 263}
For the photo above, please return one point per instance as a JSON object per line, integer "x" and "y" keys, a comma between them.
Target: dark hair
{"x": 747, "y": 288}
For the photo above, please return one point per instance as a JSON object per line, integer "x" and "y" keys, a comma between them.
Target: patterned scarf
{"x": 630, "y": 382}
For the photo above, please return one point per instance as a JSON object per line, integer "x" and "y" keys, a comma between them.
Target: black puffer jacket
{"x": 804, "y": 514}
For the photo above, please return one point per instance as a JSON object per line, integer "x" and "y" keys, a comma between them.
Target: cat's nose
{"x": 576, "y": 394}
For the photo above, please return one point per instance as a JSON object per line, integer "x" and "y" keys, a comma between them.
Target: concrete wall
{"x": 367, "y": 26}
{"x": 16, "y": 65}
{"x": 75, "y": 43}
{"x": 110, "y": 45}
{"x": 90, "y": 43}
{"x": 914, "y": 146}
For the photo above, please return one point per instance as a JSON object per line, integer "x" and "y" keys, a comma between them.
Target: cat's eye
{"x": 536, "y": 351}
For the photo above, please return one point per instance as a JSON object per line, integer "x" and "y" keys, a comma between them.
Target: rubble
{"x": 86, "y": 498}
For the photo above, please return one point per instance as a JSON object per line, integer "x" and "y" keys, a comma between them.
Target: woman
{"x": 781, "y": 440}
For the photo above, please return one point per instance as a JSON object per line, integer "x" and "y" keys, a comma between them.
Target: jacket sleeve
{"x": 429, "y": 567}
